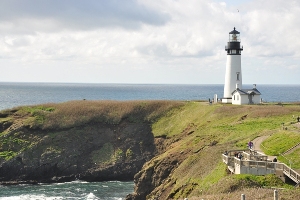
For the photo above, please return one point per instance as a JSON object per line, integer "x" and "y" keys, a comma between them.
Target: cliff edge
{"x": 92, "y": 141}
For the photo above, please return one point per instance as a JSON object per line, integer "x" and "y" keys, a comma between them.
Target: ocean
{"x": 79, "y": 190}
{"x": 20, "y": 94}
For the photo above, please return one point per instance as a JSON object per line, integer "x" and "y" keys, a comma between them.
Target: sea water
{"x": 79, "y": 190}
{"x": 18, "y": 94}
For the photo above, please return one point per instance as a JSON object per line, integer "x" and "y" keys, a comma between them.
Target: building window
{"x": 237, "y": 97}
{"x": 233, "y": 97}
{"x": 238, "y": 76}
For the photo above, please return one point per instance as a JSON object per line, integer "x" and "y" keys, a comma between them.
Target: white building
{"x": 246, "y": 96}
{"x": 233, "y": 92}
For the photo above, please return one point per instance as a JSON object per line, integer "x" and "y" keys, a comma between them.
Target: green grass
{"x": 7, "y": 155}
{"x": 104, "y": 155}
{"x": 291, "y": 159}
{"x": 265, "y": 181}
{"x": 175, "y": 121}
{"x": 280, "y": 142}
{"x": 213, "y": 177}
{"x": 231, "y": 126}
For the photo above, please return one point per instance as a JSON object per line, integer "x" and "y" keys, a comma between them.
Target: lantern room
{"x": 234, "y": 36}
{"x": 234, "y": 45}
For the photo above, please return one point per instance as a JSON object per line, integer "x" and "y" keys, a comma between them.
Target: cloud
{"x": 56, "y": 15}
{"x": 147, "y": 37}
{"x": 271, "y": 28}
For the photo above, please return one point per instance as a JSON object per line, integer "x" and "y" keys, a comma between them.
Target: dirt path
{"x": 257, "y": 142}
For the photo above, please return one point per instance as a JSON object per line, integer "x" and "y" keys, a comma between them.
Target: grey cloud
{"x": 162, "y": 50}
{"x": 159, "y": 50}
{"x": 78, "y": 14}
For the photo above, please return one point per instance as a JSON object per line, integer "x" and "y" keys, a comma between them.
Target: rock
{"x": 96, "y": 152}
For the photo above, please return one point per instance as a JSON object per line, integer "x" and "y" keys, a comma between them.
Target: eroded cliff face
{"x": 93, "y": 152}
{"x": 154, "y": 180}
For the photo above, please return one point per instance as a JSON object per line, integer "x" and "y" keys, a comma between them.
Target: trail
{"x": 256, "y": 144}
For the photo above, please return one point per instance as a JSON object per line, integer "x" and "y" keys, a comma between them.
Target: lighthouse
{"x": 233, "y": 92}
{"x": 233, "y": 74}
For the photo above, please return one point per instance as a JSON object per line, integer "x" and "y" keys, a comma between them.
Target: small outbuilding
{"x": 246, "y": 96}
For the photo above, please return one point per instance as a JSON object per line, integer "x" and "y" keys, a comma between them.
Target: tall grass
{"x": 280, "y": 142}
{"x": 77, "y": 113}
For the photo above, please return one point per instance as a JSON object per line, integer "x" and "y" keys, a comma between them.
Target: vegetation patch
{"x": 13, "y": 144}
{"x": 104, "y": 155}
{"x": 280, "y": 142}
{"x": 291, "y": 159}
{"x": 177, "y": 120}
{"x": 270, "y": 180}
{"x": 7, "y": 155}
{"x": 129, "y": 153}
{"x": 119, "y": 154}
{"x": 212, "y": 178}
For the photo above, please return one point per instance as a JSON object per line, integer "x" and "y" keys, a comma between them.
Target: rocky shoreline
{"x": 74, "y": 153}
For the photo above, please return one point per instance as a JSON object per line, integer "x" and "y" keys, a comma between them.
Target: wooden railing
{"x": 292, "y": 174}
{"x": 256, "y": 160}
{"x": 257, "y": 164}
{"x": 290, "y": 149}
{"x": 253, "y": 155}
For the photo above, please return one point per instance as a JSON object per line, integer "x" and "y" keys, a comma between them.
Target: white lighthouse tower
{"x": 233, "y": 74}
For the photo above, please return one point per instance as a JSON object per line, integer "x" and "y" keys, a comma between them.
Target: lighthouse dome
{"x": 234, "y": 36}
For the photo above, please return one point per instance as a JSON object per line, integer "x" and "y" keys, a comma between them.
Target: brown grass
{"x": 258, "y": 111}
{"x": 76, "y": 113}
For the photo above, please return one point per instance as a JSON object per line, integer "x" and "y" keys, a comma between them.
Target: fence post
{"x": 275, "y": 195}
{"x": 243, "y": 197}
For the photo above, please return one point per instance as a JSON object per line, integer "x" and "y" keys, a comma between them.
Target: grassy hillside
{"x": 204, "y": 131}
{"x": 190, "y": 137}
{"x": 59, "y": 117}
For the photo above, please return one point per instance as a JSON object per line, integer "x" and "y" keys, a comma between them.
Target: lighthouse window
{"x": 237, "y": 76}
{"x": 233, "y": 51}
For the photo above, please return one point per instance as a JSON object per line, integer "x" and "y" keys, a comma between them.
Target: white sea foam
{"x": 79, "y": 181}
{"x": 91, "y": 196}
{"x": 31, "y": 197}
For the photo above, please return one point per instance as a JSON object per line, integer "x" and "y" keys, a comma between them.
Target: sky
{"x": 147, "y": 41}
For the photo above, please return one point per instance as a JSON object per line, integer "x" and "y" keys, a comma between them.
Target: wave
{"x": 91, "y": 196}
{"x": 31, "y": 197}
{"x": 80, "y": 190}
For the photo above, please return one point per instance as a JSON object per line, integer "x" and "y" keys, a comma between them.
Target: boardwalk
{"x": 256, "y": 163}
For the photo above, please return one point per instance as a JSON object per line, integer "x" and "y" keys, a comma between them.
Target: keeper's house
{"x": 246, "y": 96}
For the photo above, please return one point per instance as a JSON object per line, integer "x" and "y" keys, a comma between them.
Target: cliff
{"x": 92, "y": 141}
{"x": 171, "y": 150}
{"x": 194, "y": 138}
